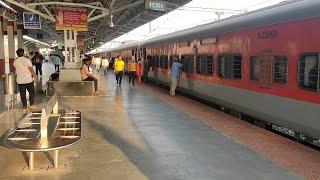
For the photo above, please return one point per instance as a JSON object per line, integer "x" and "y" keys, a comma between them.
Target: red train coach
{"x": 264, "y": 64}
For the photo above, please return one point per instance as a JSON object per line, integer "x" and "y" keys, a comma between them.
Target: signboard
{"x": 155, "y": 5}
{"x": 71, "y": 18}
{"x": 31, "y": 21}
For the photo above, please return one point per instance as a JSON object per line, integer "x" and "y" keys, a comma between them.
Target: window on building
{"x": 164, "y": 61}
{"x": 229, "y": 66}
{"x": 309, "y": 72}
{"x": 187, "y": 61}
{"x": 204, "y": 64}
{"x": 269, "y": 70}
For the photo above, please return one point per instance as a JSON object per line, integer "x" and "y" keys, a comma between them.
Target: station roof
{"x": 126, "y": 16}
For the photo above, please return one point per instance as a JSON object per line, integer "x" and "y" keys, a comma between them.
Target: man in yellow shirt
{"x": 119, "y": 69}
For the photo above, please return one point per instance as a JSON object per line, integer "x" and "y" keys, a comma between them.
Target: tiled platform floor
{"x": 135, "y": 133}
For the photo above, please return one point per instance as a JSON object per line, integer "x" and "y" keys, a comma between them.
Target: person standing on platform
{"x": 175, "y": 74}
{"x": 140, "y": 69}
{"x": 86, "y": 75}
{"x": 105, "y": 64}
{"x": 132, "y": 70}
{"x": 119, "y": 69}
{"x": 37, "y": 62}
{"x": 25, "y": 76}
{"x": 56, "y": 61}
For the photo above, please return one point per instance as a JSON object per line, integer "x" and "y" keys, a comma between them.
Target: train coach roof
{"x": 289, "y": 11}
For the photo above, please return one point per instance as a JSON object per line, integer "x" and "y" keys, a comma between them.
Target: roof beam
{"x": 68, "y": 4}
{"x": 47, "y": 11}
{"x": 137, "y": 3}
{"x": 25, "y": 7}
{"x": 103, "y": 14}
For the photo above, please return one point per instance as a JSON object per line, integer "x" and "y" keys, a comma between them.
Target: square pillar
{"x": 11, "y": 46}
{"x": 2, "y": 59}
{"x": 20, "y": 35}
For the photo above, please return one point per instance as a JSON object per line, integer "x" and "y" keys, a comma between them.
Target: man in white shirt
{"x": 25, "y": 75}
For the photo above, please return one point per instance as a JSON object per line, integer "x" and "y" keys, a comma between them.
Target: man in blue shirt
{"x": 175, "y": 73}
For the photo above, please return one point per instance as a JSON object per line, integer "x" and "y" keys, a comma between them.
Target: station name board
{"x": 155, "y": 5}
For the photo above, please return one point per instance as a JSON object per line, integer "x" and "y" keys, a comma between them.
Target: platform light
{"x": 111, "y": 21}
{"x": 36, "y": 41}
{"x": 7, "y": 6}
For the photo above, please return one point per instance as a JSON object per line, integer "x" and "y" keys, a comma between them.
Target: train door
{"x": 266, "y": 70}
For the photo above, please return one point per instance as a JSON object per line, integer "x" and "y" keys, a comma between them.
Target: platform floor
{"x": 142, "y": 133}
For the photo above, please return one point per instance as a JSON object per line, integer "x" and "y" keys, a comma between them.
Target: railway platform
{"x": 143, "y": 133}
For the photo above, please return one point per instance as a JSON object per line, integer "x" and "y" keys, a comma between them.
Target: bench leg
{"x": 56, "y": 158}
{"x": 31, "y": 160}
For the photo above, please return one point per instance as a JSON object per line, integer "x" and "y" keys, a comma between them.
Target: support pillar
{"x": 20, "y": 35}
{"x": 31, "y": 167}
{"x": 2, "y": 58}
{"x": 56, "y": 158}
{"x": 11, "y": 46}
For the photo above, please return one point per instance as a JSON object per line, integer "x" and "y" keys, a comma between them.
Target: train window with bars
{"x": 187, "y": 61}
{"x": 155, "y": 60}
{"x": 164, "y": 61}
{"x": 150, "y": 60}
{"x": 204, "y": 64}
{"x": 229, "y": 66}
{"x": 269, "y": 70}
{"x": 308, "y": 73}
{"x": 171, "y": 61}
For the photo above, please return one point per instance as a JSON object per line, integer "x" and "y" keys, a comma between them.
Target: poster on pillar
{"x": 31, "y": 21}
{"x": 71, "y": 18}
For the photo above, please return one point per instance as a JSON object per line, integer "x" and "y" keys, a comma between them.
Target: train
{"x": 263, "y": 63}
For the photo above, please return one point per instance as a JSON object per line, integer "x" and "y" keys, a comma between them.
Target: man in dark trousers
{"x": 25, "y": 75}
{"x": 37, "y": 62}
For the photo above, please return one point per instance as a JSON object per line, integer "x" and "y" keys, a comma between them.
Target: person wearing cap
{"x": 25, "y": 77}
{"x": 175, "y": 74}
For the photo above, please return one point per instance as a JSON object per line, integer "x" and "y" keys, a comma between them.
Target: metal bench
{"x": 50, "y": 129}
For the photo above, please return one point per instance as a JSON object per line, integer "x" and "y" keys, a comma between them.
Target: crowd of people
{"x": 26, "y": 75}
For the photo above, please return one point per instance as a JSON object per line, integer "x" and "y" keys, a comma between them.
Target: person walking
{"x": 86, "y": 75}
{"x": 119, "y": 69}
{"x": 132, "y": 70}
{"x": 105, "y": 64}
{"x": 140, "y": 67}
{"x": 175, "y": 74}
{"x": 25, "y": 76}
{"x": 37, "y": 62}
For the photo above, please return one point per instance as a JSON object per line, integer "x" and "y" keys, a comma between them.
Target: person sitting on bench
{"x": 86, "y": 75}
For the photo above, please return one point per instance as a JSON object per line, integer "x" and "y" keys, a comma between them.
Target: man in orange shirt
{"x": 132, "y": 70}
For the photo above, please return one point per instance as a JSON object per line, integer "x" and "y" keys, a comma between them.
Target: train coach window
{"x": 280, "y": 69}
{"x": 171, "y": 61}
{"x": 309, "y": 71}
{"x": 187, "y": 61}
{"x": 268, "y": 69}
{"x": 229, "y": 66}
{"x": 204, "y": 64}
{"x": 155, "y": 60}
{"x": 164, "y": 61}
{"x": 149, "y": 60}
